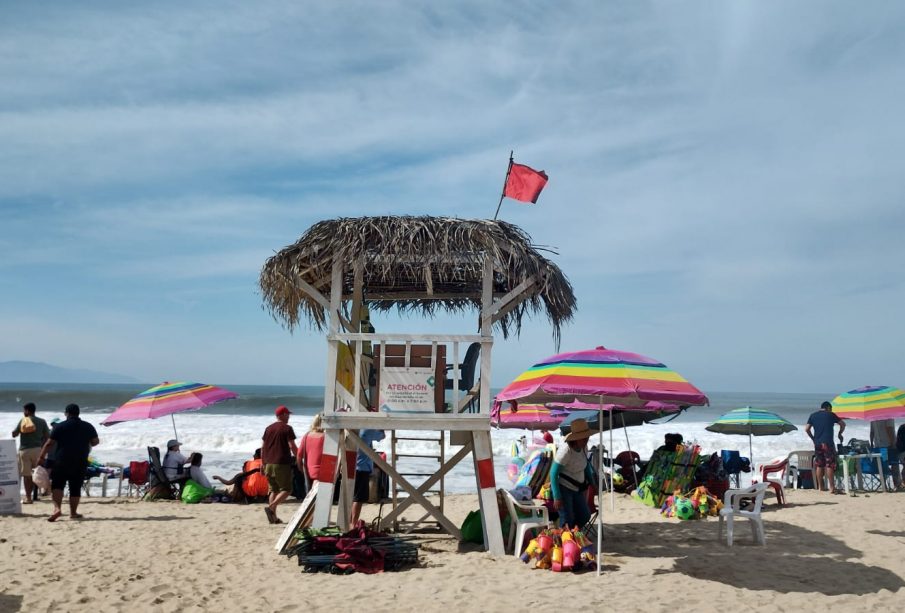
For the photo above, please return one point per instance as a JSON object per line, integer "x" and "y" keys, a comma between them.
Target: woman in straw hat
{"x": 571, "y": 475}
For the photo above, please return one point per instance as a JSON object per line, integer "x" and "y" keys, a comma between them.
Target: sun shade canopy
{"x": 416, "y": 264}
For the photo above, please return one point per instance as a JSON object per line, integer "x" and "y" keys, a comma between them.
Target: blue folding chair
{"x": 734, "y": 464}
{"x": 872, "y": 480}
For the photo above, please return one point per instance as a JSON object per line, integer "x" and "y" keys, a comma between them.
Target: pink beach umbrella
{"x": 605, "y": 377}
{"x": 167, "y": 399}
{"x": 526, "y": 416}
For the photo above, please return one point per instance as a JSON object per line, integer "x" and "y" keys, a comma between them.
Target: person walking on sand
{"x": 822, "y": 422}
{"x": 34, "y": 433}
{"x": 73, "y": 440}
{"x": 278, "y": 453}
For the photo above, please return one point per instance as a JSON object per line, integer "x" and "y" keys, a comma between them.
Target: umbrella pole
{"x": 751, "y": 456}
{"x": 600, "y": 490}
{"x": 612, "y": 490}
{"x": 176, "y": 436}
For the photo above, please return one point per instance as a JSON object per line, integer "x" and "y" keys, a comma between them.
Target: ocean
{"x": 228, "y": 433}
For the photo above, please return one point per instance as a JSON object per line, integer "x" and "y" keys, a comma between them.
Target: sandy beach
{"x": 823, "y": 552}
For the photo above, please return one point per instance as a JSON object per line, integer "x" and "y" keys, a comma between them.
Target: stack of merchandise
{"x": 667, "y": 472}
{"x": 695, "y": 504}
{"x": 561, "y": 549}
{"x": 358, "y": 550}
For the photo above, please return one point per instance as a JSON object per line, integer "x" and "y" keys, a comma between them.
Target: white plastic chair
{"x": 804, "y": 461}
{"x": 732, "y": 508}
{"x": 537, "y": 518}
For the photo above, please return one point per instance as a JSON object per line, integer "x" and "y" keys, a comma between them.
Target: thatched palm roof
{"x": 421, "y": 264}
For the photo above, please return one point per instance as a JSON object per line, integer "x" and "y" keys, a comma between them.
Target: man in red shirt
{"x": 278, "y": 452}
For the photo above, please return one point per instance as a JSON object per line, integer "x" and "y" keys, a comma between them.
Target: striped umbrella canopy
{"x": 751, "y": 422}
{"x": 601, "y": 376}
{"x": 526, "y": 416}
{"x": 550, "y": 417}
{"x": 871, "y": 403}
{"x": 169, "y": 398}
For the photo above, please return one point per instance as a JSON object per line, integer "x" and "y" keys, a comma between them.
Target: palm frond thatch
{"x": 415, "y": 264}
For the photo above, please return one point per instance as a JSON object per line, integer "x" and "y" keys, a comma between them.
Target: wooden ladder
{"x": 401, "y": 453}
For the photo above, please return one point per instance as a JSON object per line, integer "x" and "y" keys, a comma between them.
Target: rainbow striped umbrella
{"x": 753, "y": 422}
{"x": 601, "y": 376}
{"x": 167, "y": 399}
{"x": 871, "y": 403}
{"x": 526, "y": 416}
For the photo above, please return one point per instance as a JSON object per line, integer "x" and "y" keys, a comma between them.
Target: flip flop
{"x": 54, "y": 516}
{"x": 76, "y": 516}
{"x": 271, "y": 516}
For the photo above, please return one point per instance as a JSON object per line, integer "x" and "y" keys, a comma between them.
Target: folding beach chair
{"x": 872, "y": 479}
{"x": 138, "y": 477}
{"x": 158, "y": 477}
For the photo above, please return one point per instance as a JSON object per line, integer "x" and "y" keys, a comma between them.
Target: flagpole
{"x": 505, "y": 181}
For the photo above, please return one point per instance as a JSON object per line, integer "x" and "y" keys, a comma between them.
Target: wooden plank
{"x": 424, "y": 487}
{"x": 313, "y": 292}
{"x": 493, "y": 534}
{"x": 324, "y": 503}
{"x": 402, "y": 338}
{"x": 420, "y": 296}
{"x": 396, "y": 421}
{"x": 487, "y": 296}
{"x": 516, "y": 292}
{"x": 450, "y": 527}
{"x": 300, "y": 519}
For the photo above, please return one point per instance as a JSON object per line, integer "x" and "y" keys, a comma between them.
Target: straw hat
{"x": 579, "y": 430}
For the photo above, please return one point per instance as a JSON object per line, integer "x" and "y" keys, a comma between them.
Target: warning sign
{"x": 407, "y": 390}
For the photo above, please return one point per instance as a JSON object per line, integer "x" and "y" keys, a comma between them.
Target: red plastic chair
{"x": 776, "y": 468}
{"x": 138, "y": 477}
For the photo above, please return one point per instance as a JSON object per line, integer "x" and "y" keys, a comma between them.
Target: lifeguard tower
{"x": 416, "y": 265}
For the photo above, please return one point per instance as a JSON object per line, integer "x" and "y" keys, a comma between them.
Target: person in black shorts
{"x": 72, "y": 441}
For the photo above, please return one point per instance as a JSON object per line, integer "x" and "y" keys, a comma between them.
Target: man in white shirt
{"x": 174, "y": 462}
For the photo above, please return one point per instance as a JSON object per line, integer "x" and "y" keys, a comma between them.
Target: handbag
{"x": 41, "y": 477}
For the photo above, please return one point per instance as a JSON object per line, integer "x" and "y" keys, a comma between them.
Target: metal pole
{"x": 174, "y": 427}
{"x": 751, "y": 457}
{"x": 505, "y": 181}
{"x": 600, "y": 489}
{"x": 612, "y": 491}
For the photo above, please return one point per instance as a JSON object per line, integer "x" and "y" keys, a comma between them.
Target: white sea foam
{"x": 228, "y": 440}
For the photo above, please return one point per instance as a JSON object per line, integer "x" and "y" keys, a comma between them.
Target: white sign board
{"x": 406, "y": 390}
{"x": 9, "y": 478}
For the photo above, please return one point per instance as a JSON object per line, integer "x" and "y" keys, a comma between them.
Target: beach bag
{"x": 27, "y": 426}
{"x": 473, "y": 528}
{"x": 858, "y": 446}
{"x": 41, "y": 477}
{"x": 193, "y": 492}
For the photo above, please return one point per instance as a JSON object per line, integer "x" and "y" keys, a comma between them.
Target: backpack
{"x": 27, "y": 426}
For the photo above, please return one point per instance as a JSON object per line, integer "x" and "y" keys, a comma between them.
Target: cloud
{"x": 716, "y": 171}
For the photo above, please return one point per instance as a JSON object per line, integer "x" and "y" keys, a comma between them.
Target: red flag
{"x": 524, "y": 183}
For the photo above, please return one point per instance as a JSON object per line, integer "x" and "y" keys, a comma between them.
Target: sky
{"x": 725, "y": 187}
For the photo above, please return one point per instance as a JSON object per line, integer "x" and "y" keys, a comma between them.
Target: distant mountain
{"x": 39, "y": 372}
